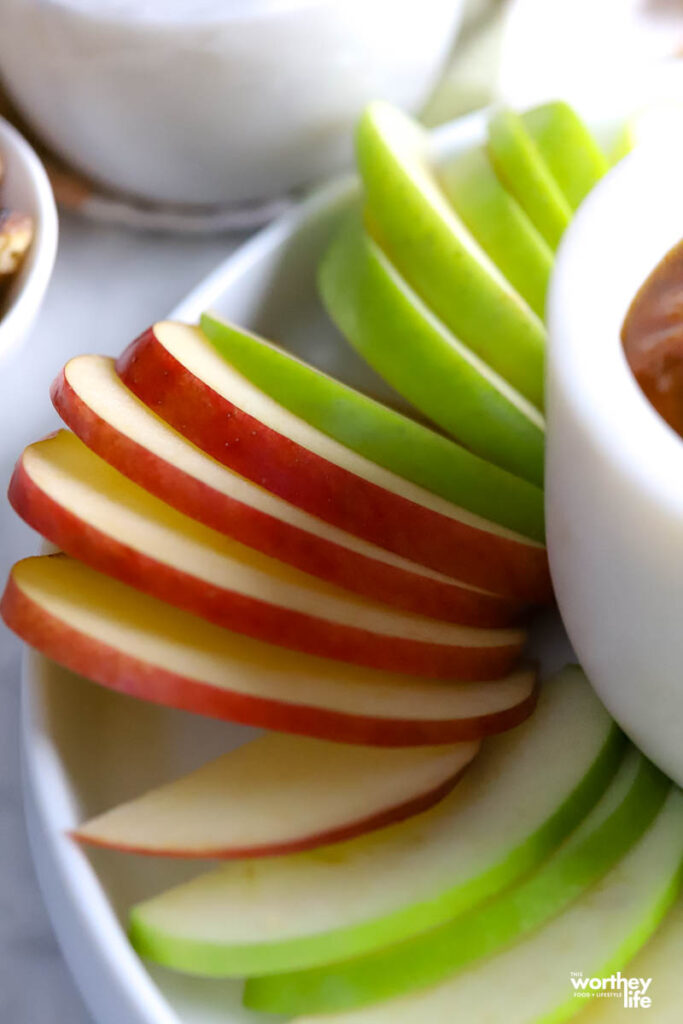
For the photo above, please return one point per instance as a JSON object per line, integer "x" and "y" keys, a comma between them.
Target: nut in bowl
{"x": 28, "y": 237}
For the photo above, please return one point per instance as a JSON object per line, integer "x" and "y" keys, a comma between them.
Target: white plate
{"x": 86, "y": 748}
{"x": 25, "y": 187}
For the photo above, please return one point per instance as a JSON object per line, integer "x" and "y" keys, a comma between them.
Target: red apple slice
{"x": 138, "y": 645}
{"x": 281, "y": 794}
{"x": 92, "y": 400}
{"x": 93, "y": 512}
{"x": 179, "y": 374}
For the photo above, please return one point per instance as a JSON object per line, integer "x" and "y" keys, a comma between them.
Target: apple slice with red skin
{"x": 109, "y": 419}
{"x": 127, "y": 641}
{"x": 280, "y": 794}
{"x": 176, "y": 371}
{"x": 97, "y": 515}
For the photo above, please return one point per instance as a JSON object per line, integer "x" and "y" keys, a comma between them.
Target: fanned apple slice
{"x": 93, "y": 401}
{"x": 523, "y": 171}
{"x": 521, "y": 796}
{"x": 280, "y": 794}
{"x": 571, "y": 153}
{"x": 414, "y": 223}
{"x": 176, "y": 371}
{"x": 135, "y": 644}
{"x": 530, "y": 983}
{"x": 499, "y": 224}
{"x": 615, "y": 824}
{"x": 94, "y": 513}
{"x": 395, "y": 331}
{"x": 371, "y": 429}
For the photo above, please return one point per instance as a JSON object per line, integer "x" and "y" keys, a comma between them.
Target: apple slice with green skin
{"x": 280, "y": 794}
{"x": 416, "y": 226}
{"x": 499, "y": 224}
{"x": 530, "y": 983}
{"x": 127, "y": 641}
{"x": 514, "y": 805}
{"x": 613, "y": 826}
{"x": 393, "y": 329}
{"x": 94, "y": 513}
{"x": 176, "y": 371}
{"x": 570, "y": 152}
{"x": 93, "y": 401}
{"x": 371, "y": 429}
{"x": 524, "y": 173}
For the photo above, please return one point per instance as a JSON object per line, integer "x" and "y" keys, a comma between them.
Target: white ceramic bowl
{"x": 221, "y": 102}
{"x": 25, "y": 187}
{"x": 614, "y": 482}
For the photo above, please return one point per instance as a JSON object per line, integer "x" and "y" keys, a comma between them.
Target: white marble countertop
{"x": 107, "y": 287}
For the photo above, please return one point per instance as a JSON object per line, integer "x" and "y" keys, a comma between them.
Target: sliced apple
{"x": 414, "y": 223}
{"x": 93, "y": 401}
{"x": 523, "y": 171}
{"x": 618, "y": 820}
{"x": 280, "y": 794}
{"x": 392, "y": 328}
{"x": 94, "y": 513}
{"x": 519, "y": 799}
{"x": 570, "y": 152}
{"x": 138, "y": 645}
{"x": 180, "y": 376}
{"x": 530, "y": 983}
{"x": 382, "y": 435}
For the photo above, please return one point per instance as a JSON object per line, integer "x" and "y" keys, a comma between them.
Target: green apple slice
{"x": 513, "y": 807}
{"x": 383, "y": 435}
{"x": 570, "y": 152}
{"x": 530, "y": 982}
{"x": 423, "y": 236}
{"x": 659, "y": 960}
{"x": 523, "y": 171}
{"x": 392, "y": 328}
{"x": 499, "y": 224}
{"x": 613, "y": 826}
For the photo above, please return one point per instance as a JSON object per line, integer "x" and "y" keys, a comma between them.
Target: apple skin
{"x": 571, "y": 153}
{"x": 317, "y": 555}
{"x": 232, "y": 610}
{"x": 499, "y": 224}
{"x": 523, "y": 171}
{"x": 483, "y": 931}
{"x": 124, "y": 673}
{"x": 433, "y": 250}
{"x": 395, "y": 332}
{"x": 486, "y": 559}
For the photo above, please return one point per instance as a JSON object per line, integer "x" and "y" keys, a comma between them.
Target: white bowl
{"x": 614, "y": 483}
{"x": 25, "y": 187}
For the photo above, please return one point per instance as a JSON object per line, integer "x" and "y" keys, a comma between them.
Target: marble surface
{"x": 108, "y": 286}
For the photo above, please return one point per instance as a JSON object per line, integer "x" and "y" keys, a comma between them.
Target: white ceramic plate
{"x": 86, "y": 748}
{"x": 25, "y": 187}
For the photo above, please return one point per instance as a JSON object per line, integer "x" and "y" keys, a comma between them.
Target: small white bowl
{"x": 25, "y": 187}
{"x": 614, "y": 479}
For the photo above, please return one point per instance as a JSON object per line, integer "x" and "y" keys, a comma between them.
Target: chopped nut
{"x": 16, "y": 234}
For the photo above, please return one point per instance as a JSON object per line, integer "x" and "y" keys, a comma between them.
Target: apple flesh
{"x": 521, "y": 796}
{"x": 94, "y": 513}
{"x": 499, "y": 224}
{"x": 411, "y": 219}
{"x": 127, "y": 641}
{"x": 614, "y": 825}
{"x": 568, "y": 148}
{"x": 374, "y": 431}
{"x": 106, "y": 416}
{"x": 530, "y": 983}
{"x": 525, "y": 174}
{"x": 181, "y": 377}
{"x": 280, "y": 794}
{"x": 396, "y": 333}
